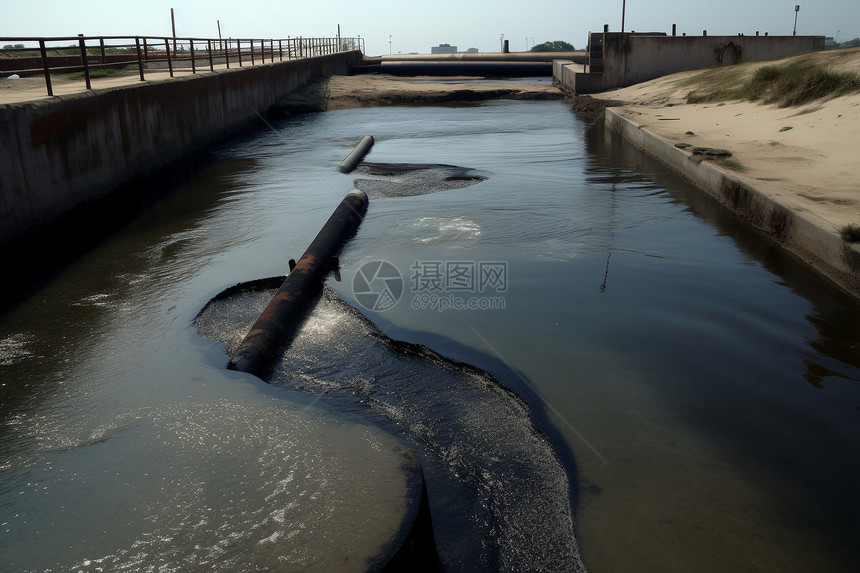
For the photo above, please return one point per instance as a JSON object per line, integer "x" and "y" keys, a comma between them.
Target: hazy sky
{"x": 414, "y": 27}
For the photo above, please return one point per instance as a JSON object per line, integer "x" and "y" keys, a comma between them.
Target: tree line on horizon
{"x": 554, "y": 46}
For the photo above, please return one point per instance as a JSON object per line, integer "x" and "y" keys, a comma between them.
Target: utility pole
{"x": 796, "y": 10}
{"x": 220, "y": 43}
{"x": 389, "y": 44}
{"x": 173, "y": 25}
{"x": 623, "y": 13}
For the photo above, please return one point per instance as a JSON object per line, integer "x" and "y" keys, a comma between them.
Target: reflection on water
{"x": 716, "y": 376}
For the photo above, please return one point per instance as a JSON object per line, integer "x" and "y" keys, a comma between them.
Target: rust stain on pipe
{"x": 279, "y": 322}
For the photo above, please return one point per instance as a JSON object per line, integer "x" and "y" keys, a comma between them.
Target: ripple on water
{"x": 464, "y": 420}
{"x": 221, "y": 485}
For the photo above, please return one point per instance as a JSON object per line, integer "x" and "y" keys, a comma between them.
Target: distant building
{"x": 830, "y": 42}
{"x": 443, "y": 49}
{"x": 472, "y": 51}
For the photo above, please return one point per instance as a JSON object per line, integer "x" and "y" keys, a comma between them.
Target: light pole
{"x": 389, "y": 44}
{"x": 623, "y": 13}
{"x": 796, "y": 10}
{"x": 502, "y": 43}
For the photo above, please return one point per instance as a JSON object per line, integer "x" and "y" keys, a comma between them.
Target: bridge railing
{"x": 89, "y": 57}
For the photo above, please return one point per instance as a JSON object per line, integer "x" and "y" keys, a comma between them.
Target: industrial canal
{"x": 685, "y": 395}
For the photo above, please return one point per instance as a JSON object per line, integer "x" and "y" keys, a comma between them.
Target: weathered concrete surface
{"x": 60, "y": 152}
{"x": 517, "y": 64}
{"x": 623, "y": 59}
{"x": 795, "y": 228}
{"x": 577, "y": 56}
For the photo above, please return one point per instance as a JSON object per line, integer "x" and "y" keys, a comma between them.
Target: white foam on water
{"x": 465, "y": 421}
{"x": 223, "y": 486}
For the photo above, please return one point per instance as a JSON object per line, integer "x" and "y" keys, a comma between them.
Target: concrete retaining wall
{"x": 630, "y": 59}
{"x": 627, "y": 59}
{"x": 58, "y": 153}
{"x": 790, "y": 226}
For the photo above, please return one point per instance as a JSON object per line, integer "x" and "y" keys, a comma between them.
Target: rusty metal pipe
{"x": 279, "y": 322}
{"x": 357, "y": 154}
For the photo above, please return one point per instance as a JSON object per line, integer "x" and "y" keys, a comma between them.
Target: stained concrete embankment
{"x": 510, "y": 65}
{"x": 796, "y": 229}
{"x": 61, "y": 152}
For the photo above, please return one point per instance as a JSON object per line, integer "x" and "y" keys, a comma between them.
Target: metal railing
{"x": 91, "y": 54}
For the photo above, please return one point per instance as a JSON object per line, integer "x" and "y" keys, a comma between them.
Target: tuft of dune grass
{"x": 798, "y": 82}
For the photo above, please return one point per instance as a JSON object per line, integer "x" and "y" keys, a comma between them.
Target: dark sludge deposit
{"x": 499, "y": 496}
{"x": 408, "y": 179}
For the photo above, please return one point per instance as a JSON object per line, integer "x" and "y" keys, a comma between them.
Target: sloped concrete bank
{"x": 792, "y": 227}
{"x": 61, "y": 152}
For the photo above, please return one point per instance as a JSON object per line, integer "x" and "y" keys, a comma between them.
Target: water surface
{"x": 699, "y": 387}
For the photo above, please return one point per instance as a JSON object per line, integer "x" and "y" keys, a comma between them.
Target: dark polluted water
{"x": 514, "y": 501}
{"x": 698, "y": 388}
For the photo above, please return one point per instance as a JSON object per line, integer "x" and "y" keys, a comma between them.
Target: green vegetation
{"x": 850, "y": 233}
{"x": 730, "y": 163}
{"x": 555, "y": 46}
{"x": 796, "y": 83}
{"x": 710, "y": 80}
{"x": 19, "y": 51}
{"x": 96, "y": 73}
{"x": 786, "y": 128}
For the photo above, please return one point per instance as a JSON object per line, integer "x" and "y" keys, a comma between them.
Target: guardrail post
{"x": 83, "y": 46}
{"x": 145, "y": 49}
{"x": 102, "y": 46}
{"x": 211, "y": 63}
{"x": 280, "y": 51}
{"x": 139, "y": 60}
{"x": 46, "y": 67}
{"x": 227, "y": 53}
{"x": 252, "y": 52}
{"x": 169, "y": 59}
{"x": 239, "y": 51}
{"x": 193, "y": 65}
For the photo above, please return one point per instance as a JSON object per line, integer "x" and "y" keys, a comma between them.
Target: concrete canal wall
{"x": 58, "y": 153}
{"x": 794, "y": 229}
{"x": 622, "y": 59}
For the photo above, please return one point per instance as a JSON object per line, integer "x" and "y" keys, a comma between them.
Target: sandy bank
{"x": 342, "y": 92}
{"x": 804, "y": 158}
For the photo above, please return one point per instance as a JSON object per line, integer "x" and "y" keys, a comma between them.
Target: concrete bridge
{"x": 518, "y": 64}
